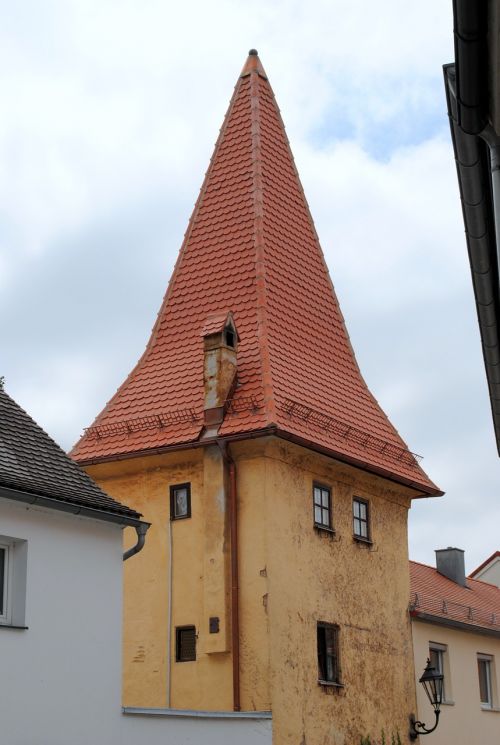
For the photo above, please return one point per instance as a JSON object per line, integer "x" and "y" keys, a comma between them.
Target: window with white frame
{"x": 4, "y": 583}
{"x": 438, "y": 656}
{"x": 13, "y": 569}
{"x": 361, "y": 519}
{"x": 322, "y": 499}
{"x": 484, "y": 668}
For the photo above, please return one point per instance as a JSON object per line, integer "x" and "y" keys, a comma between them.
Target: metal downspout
{"x": 169, "y": 621}
{"x": 235, "y": 610}
{"x": 141, "y": 531}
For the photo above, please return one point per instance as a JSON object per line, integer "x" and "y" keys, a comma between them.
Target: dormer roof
{"x": 251, "y": 247}
{"x": 215, "y": 323}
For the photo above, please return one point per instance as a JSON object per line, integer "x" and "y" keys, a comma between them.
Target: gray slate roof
{"x": 30, "y": 461}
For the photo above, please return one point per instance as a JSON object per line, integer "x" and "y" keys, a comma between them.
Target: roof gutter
{"x": 452, "y": 624}
{"x": 272, "y": 430}
{"x": 70, "y": 507}
{"x": 477, "y": 155}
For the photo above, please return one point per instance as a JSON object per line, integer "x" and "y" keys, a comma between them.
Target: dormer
{"x": 220, "y": 344}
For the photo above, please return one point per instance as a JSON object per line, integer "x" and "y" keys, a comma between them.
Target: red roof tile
{"x": 432, "y": 594}
{"x": 251, "y": 248}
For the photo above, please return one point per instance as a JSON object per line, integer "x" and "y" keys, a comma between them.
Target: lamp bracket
{"x": 418, "y": 728}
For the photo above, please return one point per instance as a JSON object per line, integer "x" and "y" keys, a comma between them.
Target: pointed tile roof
{"x": 251, "y": 249}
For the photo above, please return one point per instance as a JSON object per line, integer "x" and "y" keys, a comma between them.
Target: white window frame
{"x": 320, "y": 492}
{"x": 442, "y": 655}
{"x": 6, "y": 615}
{"x": 488, "y": 659}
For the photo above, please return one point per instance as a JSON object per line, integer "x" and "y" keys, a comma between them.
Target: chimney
{"x": 220, "y": 341}
{"x": 450, "y": 563}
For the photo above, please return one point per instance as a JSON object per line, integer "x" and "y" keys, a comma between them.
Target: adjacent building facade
{"x": 275, "y": 575}
{"x": 60, "y": 592}
{"x": 489, "y": 570}
{"x": 456, "y": 622}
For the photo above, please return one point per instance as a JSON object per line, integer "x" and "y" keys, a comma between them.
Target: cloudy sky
{"x": 110, "y": 111}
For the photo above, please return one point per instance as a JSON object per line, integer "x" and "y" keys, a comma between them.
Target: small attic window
{"x": 230, "y": 337}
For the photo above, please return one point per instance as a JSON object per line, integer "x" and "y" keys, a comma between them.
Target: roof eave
{"x": 40, "y": 500}
{"x": 452, "y": 624}
{"x": 422, "y": 489}
{"x": 472, "y": 162}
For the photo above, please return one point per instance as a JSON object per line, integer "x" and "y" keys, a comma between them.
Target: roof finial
{"x": 253, "y": 64}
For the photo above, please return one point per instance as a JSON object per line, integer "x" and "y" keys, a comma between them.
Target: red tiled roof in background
{"x": 489, "y": 560}
{"x": 432, "y": 594}
{"x": 251, "y": 248}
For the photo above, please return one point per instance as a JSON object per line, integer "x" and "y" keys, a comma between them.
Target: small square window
{"x": 484, "y": 668}
{"x": 180, "y": 501}
{"x": 328, "y": 653}
{"x": 361, "y": 517}
{"x": 322, "y": 504}
{"x": 185, "y": 644}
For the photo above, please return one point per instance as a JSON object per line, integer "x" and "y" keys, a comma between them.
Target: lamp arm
{"x": 418, "y": 728}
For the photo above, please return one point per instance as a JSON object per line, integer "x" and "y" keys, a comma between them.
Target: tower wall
{"x": 292, "y": 576}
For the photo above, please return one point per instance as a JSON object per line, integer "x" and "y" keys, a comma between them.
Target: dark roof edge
{"x": 426, "y": 491}
{"x": 70, "y": 507}
{"x": 271, "y": 430}
{"x": 473, "y": 171}
{"x": 450, "y": 623}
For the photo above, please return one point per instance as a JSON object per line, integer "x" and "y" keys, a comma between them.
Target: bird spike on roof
{"x": 251, "y": 249}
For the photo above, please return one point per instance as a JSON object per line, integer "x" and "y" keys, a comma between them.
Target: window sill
{"x": 330, "y": 684}
{"x": 490, "y": 708}
{"x": 12, "y": 626}
{"x": 323, "y": 529}
{"x": 362, "y": 541}
{"x": 447, "y": 703}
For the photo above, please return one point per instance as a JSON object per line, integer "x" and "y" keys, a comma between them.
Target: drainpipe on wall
{"x": 169, "y": 619}
{"x": 141, "y": 529}
{"x": 235, "y": 611}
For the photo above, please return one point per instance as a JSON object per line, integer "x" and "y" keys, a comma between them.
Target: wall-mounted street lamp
{"x": 432, "y": 682}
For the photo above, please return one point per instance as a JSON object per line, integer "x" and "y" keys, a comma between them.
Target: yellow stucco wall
{"x": 291, "y": 577}
{"x": 463, "y": 721}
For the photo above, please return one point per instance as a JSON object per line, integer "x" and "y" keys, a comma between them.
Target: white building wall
{"x": 60, "y": 681}
{"x": 463, "y": 720}
{"x": 61, "y": 677}
{"x": 490, "y": 573}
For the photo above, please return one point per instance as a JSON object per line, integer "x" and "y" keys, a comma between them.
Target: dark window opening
{"x": 230, "y": 338}
{"x": 361, "y": 527}
{"x": 322, "y": 498}
{"x": 328, "y": 653}
{"x": 185, "y": 644}
{"x": 180, "y": 501}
